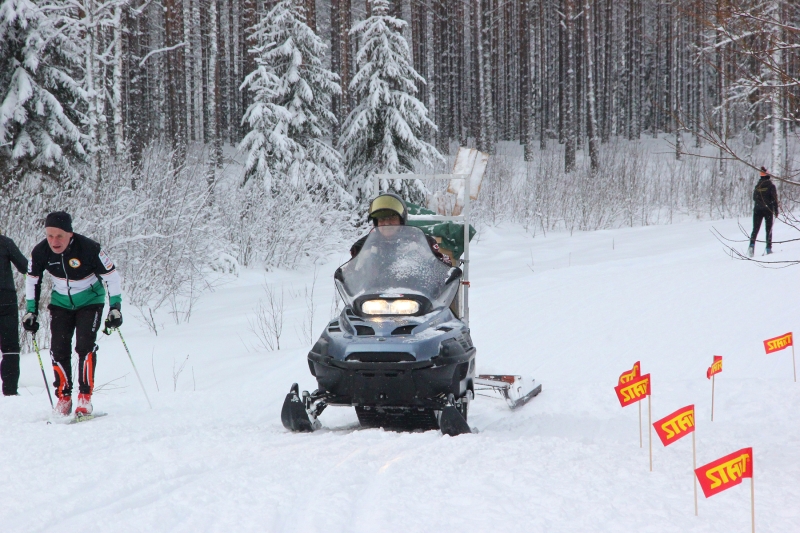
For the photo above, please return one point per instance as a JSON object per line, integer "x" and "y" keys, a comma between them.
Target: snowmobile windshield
{"x": 394, "y": 269}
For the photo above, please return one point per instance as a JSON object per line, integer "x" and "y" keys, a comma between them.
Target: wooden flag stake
{"x": 794, "y": 366}
{"x": 640, "y": 424}
{"x": 753, "y": 493}
{"x": 712, "y": 397}
{"x": 650, "y": 430}
{"x": 694, "y": 467}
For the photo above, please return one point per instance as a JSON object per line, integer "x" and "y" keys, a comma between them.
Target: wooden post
{"x": 640, "y": 424}
{"x": 753, "y": 498}
{"x": 712, "y": 397}
{"x": 694, "y": 467}
{"x": 650, "y": 431}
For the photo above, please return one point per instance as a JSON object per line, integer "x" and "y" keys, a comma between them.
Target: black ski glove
{"x": 114, "y": 318}
{"x": 29, "y": 323}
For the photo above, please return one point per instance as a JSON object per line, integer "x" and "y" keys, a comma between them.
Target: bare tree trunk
{"x": 544, "y": 93}
{"x": 119, "y": 131}
{"x": 215, "y": 161}
{"x": 722, "y": 90}
{"x": 311, "y": 14}
{"x": 419, "y": 43}
{"x": 173, "y": 30}
{"x": 188, "y": 67}
{"x": 591, "y": 121}
{"x": 609, "y": 59}
{"x": 569, "y": 87}
{"x": 677, "y": 89}
{"x": 489, "y": 85}
{"x": 776, "y": 94}
{"x": 526, "y": 119}
{"x": 197, "y": 72}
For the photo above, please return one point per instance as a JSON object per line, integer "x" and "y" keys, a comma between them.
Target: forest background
{"x": 192, "y": 137}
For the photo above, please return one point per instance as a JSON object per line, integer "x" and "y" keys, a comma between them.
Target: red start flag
{"x": 630, "y": 375}
{"x": 778, "y": 343}
{"x": 716, "y": 367}
{"x": 675, "y": 426}
{"x": 633, "y": 391}
{"x": 725, "y": 472}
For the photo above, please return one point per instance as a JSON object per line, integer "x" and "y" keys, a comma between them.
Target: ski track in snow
{"x": 569, "y": 311}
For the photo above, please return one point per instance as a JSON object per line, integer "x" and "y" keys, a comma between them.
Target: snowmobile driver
{"x": 389, "y": 209}
{"x": 78, "y": 267}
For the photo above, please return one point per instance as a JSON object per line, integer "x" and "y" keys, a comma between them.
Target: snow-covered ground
{"x": 571, "y": 311}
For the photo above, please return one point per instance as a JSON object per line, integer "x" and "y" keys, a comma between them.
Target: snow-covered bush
{"x": 281, "y": 229}
{"x": 637, "y": 183}
{"x": 156, "y": 225}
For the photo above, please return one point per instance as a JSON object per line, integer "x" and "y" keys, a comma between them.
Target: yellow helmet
{"x": 388, "y": 204}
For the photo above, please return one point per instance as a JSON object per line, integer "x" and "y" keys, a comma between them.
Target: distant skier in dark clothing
{"x": 78, "y": 267}
{"x": 390, "y": 210}
{"x": 9, "y": 314}
{"x": 765, "y": 198}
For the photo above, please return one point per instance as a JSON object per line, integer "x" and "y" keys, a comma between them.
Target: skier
{"x": 9, "y": 314}
{"x": 765, "y": 208}
{"x": 78, "y": 267}
{"x": 388, "y": 209}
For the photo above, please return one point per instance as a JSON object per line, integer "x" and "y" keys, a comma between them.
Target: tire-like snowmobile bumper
{"x": 420, "y": 384}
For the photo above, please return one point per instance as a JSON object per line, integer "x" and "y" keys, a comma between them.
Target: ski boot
{"x": 768, "y": 251}
{"x": 750, "y": 251}
{"x": 64, "y": 405}
{"x": 84, "y": 407}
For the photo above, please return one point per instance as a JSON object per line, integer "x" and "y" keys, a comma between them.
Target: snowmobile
{"x": 396, "y": 353}
{"x": 400, "y": 351}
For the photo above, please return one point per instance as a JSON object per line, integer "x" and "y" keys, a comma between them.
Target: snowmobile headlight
{"x": 404, "y": 307}
{"x": 390, "y": 307}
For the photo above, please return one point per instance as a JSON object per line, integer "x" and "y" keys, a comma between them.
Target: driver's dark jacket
{"x": 431, "y": 242}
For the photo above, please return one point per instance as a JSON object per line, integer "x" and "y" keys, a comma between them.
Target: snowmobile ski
{"x": 295, "y": 414}
{"x": 515, "y": 390}
{"x": 452, "y": 423}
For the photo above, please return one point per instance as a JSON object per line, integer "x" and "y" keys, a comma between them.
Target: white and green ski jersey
{"x": 78, "y": 274}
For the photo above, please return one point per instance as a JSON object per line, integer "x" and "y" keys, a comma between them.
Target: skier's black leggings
{"x": 9, "y": 341}
{"x": 758, "y": 216}
{"x": 85, "y": 323}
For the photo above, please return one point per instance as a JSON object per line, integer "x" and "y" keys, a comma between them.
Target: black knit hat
{"x": 60, "y": 220}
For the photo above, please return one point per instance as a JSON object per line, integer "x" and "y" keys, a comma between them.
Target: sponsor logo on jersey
{"x": 74, "y": 262}
{"x": 106, "y": 260}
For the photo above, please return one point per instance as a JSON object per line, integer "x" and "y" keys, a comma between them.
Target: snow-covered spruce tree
{"x": 37, "y": 133}
{"x": 382, "y": 134}
{"x": 291, "y": 116}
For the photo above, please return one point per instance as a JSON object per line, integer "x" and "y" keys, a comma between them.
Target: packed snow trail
{"x": 573, "y": 312}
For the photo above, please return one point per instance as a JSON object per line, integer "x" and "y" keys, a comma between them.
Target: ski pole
{"x": 132, "y": 364}
{"x": 36, "y": 347}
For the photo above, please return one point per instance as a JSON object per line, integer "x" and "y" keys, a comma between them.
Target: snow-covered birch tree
{"x": 290, "y": 118}
{"x": 383, "y": 133}
{"x": 38, "y": 130}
